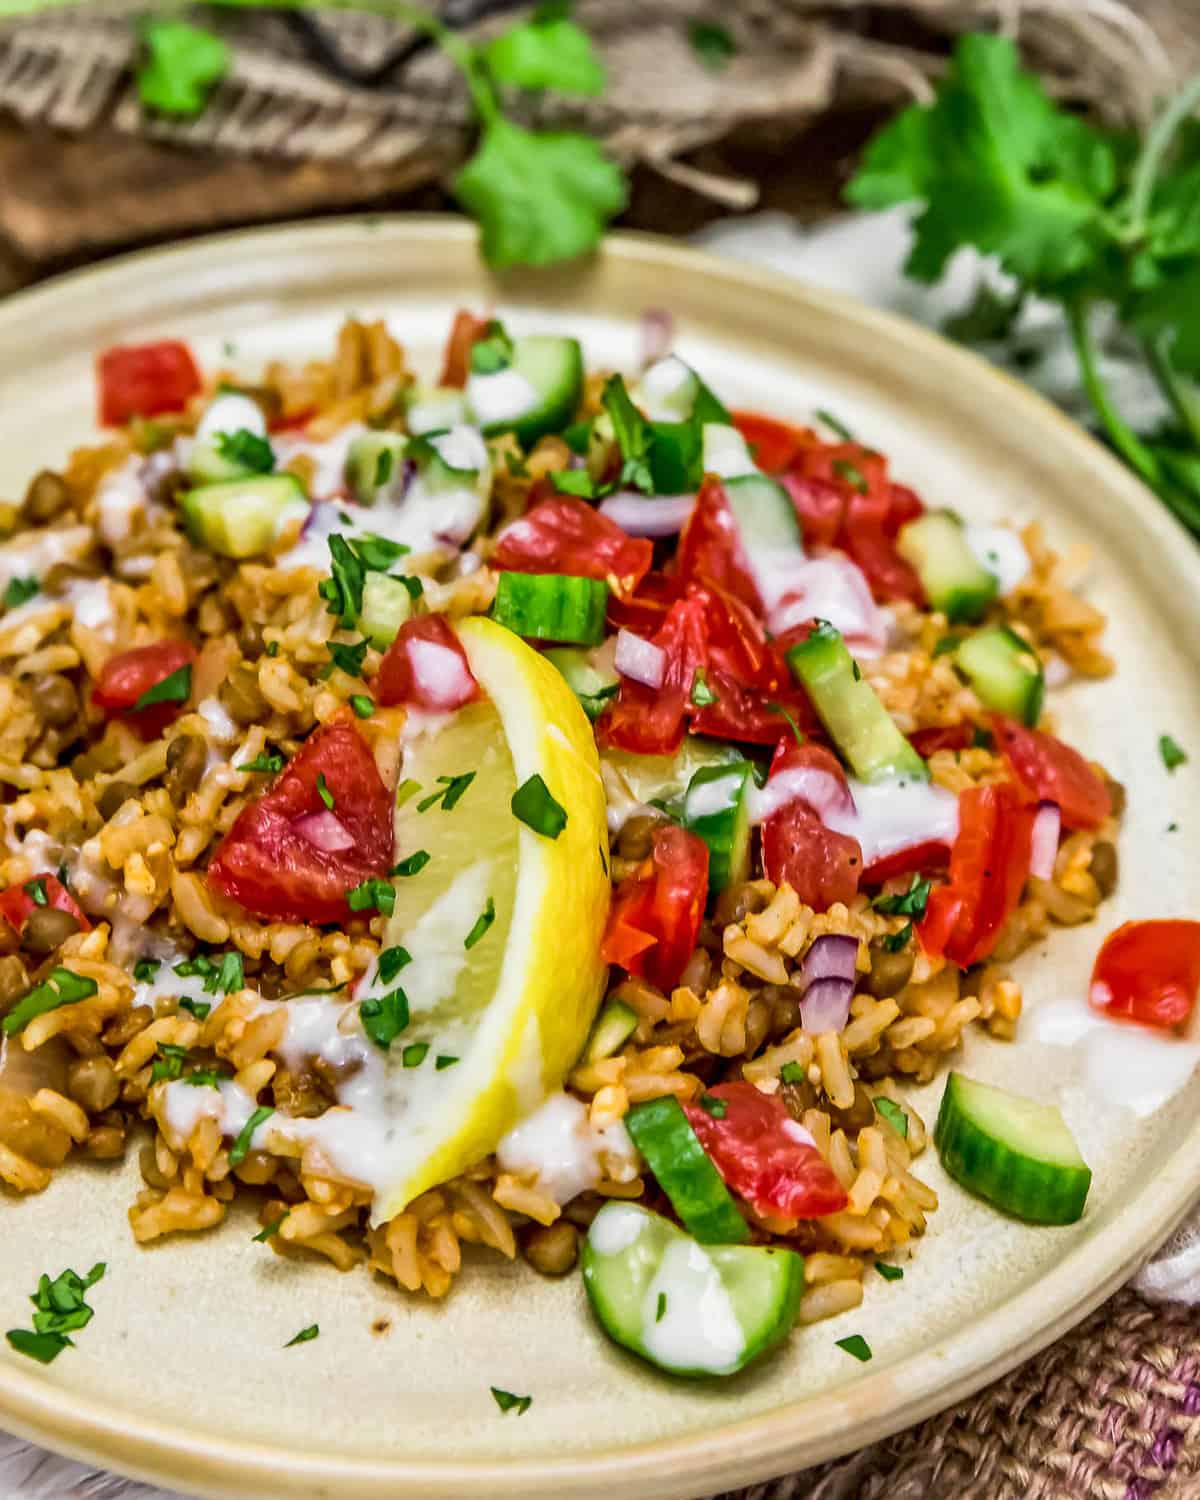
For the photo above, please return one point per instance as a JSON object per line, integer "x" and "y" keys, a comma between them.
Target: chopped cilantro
{"x": 145, "y": 969}
{"x": 712, "y": 44}
{"x": 792, "y": 1072}
{"x": 577, "y": 482}
{"x": 305, "y": 1336}
{"x": 506, "y": 1401}
{"x": 268, "y": 1231}
{"x": 384, "y": 465}
{"x": 534, "y": 805}
{"x": 982, "y": 739}
{"x": 634, "y": 435}
{"x": 482, "y": 922}
{"x": 910, "y": 904}
{"x": 343, "y": 589}
{"x": 60, "y": 1310}
{"x": 702, "y": 694}
{"x": 223, "y": 978}
{"x": 835, "y": 425}
{"x": 363, "y": 706}
{"x": 414, "y": 1054}
{"x": 20, "y": 591}
{"x": 413, "y": 865}
{"x": 661, "y": 1307}
{"x": 857, "y": 1346}
{"x": 181, "y": 67}
{"x": 63, "y": 987}
{"x": 44, "y": 1347}
{"x": 778, "y": 708}
{"x": 391, "y": 961}
{"x": 494, "y": 351}
{"x": 405, "y": 790}
{"x": 264, "y": 762}
{"x": 169, "y": 1064}
{"x": 711, "y": 1105}
{"x": 176, "y": 687}
{"x": 241, "y": 1147}
{"x": 946, "y": 643}
{"x": 889, "y": 1272}
{"x": 36, "y": 891}
{"x": 272, "y": 648}
{"x": 198, "y": 1008}
{"x": 896, "y": 941}
{"x": 1173, "y": 754}
{"x": 246, "y": 449}
{"x": 894, "y": 1115}
{"x": 443, "y": 1061}
{"x": 852, "y": 475}
{"x": 373, "y": 895}
{"x": 349, "y": 658}
{"x": 378, "y": 553}
{"x": 323, "y": 791}
{"x": 205, "y": 1078}
{"x": 451, "y": 789}
{"x": 384, "y": 1017}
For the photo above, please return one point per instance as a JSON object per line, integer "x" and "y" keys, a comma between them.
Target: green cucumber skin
{"x": 710, "y": 1216}
{"x": 991, "y": 661}
{"x": 953, "y": 578}
{"x": 362, "y": 463}
{"x": 763, "y": 510}
{"x": 523, "y": 603}
{"x": 559, "y": 394}
{"x": 1038, "y": 1192}
{"x": 615, "y": 1024}
{"x": 211, "y": 521}
{"x": 726, "y": 831}
{"x": 860, "y": 726}
{"x": 590, "y": 685}
{"x": 387, "y": 604}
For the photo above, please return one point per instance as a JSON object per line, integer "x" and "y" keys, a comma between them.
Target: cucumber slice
{"x": 536, "y": 393}
{"x": 231, "y": 413}
{"x": 766, "y": 518}
{"x": 374, "y": 461}
{"x": 1005, "y": 672}
{"x": 552, "y": 607}
{"x": 661, "y": 1132}
{"x": 663, "y": 778}
{"x": 725, "y": 452}
{"x": 954, "y": 579}
{"x": 591, "y": 682}
{"x": 671, "y": 391}
{"x": 1013, "y": 1151}
{"x": 386, "y": 604}
{"x": 861, "y": 727}
{"x": 243, "y": 517}
{"x": 436, "y": 408}
{"x": 687, "y": 1309}
{"x": 615, "y": 1024}
{"x": 717, "y": 807}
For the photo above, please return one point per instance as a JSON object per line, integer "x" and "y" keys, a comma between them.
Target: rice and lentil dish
{"x": 835, "y": 814}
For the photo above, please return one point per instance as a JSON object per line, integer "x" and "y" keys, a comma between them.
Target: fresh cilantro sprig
{"x": 1078, "y": 215}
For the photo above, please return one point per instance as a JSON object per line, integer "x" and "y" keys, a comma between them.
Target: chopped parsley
{"x": 634, "y": 435}
{"x": 206, "y": 1078}
{"x": 373, "y": 895}
{"x": 36, "y": 891}
{"x": 323, "y": 791}
{"x": 60, "y": 1309}
{"x": 384, "y": 1017}
{"x": 145, "y": 969}
{"x": 378, "y": 553}
{"x": 945, "y": 644}
{"x": 305, "y": 1336}
{"x": 63, "y": 987}
{"x": 449, "y": 793}
{"x": 857, "y": 1346}
{"x": 711, "y": 1105}
{"x": 661, "y": 1307}
{"x": 507, "y": 1402}
{"x": 384, "y": 465}
{"x": 20, "y": 591}
{"x": 224, "y": 978}
{"x": 241, "y": 1147}
{"x": 889, "y": 1272}
{"x": 263, "y": 762}
{"x": 444, "y": 1061}
{"x": 348, "y": 658}
{"x": 603, "y": 860}
{"x": 169, "y": 1064}
{"x": 363, "y": 706}
{"x": 577, "y": 482}
{"x": 343, "y": 589}
{"x": 835, "y": 425}
{"x": 982, "y": 739}
{"x": 176, "y": 687}
{"x": 272, "y": 648}
{"x": 712, "y": 44}
{"x": 896, "y": 941}
{"x": 910, "y": 904}
{"x": 1173, "y": 754}
{"x": 851, "y": 474}
{"x": 414, "y": 1054}
{"x": 792, "y": 1072}
{"x": 534, "y": 805}
{"x": 778, "y": 708}
{"x": 391, "y": 961}
{"x": 702, "y": 694}
{"x": 894, "y": 1115}
{"x": 413, "y": 865}
{"x": 198, "y": 1008}
{"x": 405, "y": 790}
{"x": 246, "y": 449}
{"x": 482, "y": 922}
{"x": 268, "y": 1231}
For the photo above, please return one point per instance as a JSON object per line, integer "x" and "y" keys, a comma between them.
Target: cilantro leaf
{"x": 373, "y": 895}
{"x": 414, "y": 1054}
{"x": 183, "y": 65}
{"x": 506, "y": 1401}
{"x": 539, "y": 197}
{"x": 712, "y": 44}
{"x": 305, "y": 1336}
{"x": 241, "y": 1147}
{"x": 634, "y": 435}
{"x": 535, "y": 805}
{"x": 175, "y": 687}
{"x": 384, "y": 1017}
{"x": 1172, "y": 752}
{"x": 548, "y": 52}
{"x": 20, "y": 591}
{"x": 247, "y": 449}
{"x": 63, "y": 987}
{"x": 910, "y": 904}
{"x": 449, "y": 794}
{"x": 482, "y": 922}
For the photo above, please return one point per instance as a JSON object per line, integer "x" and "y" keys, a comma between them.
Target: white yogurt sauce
{"x": 501, "y": 396}
{"x": 1001, "y": 551}
{"x": 31, "y": 554}
{"x": 229, "y": 413}
{"x": 91, "y": 605}
{"x": 698, "y": 1328}
{"x": 558, "y": 1144}
{"x": 120, "y": 499}
{"x": 436, "y": 410}
{"x": 892, "y": 815}
{"x": 228, "y": 1104}
{"x": 1117, "y": 1061}
{"x": 328, "y": 458}
{"x": 830, "y": 587}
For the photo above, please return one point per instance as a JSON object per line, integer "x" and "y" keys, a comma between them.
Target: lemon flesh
{"x": 514, "y": 1009}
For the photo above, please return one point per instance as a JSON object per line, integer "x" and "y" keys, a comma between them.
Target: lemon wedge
{"x": 502, "y": 924}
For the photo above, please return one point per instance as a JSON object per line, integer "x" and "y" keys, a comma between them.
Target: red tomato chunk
{"x": 559, "y": 534}
{"x": 426, "y": 667}
{"x": 17, "y": 905}
{"x": 126, "y": 678}
{"x": 1149, "y": 972}
{"x": 145, "y": 380}
{"x": 268, "y": 866}
{"x": 656, "y": 912}
{"x": 1054, "y": 772}
{"x": 762, "y": 1154}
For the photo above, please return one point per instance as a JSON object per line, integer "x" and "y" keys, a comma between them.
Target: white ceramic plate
{"x": 181, "y": 1376}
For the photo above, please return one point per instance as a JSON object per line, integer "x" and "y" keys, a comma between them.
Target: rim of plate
{"x": 796, "y": 1433}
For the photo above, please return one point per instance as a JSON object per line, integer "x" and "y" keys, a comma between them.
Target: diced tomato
{"x": 144, "y": 380}
{"x": 126, "y": 677}
{"x": 989, "y": 865}
{"x": 565, "y": 535}
{"x": 465, "y": 333}
{"x": 906, "y": 506}
{"x": 267, "y": 865}
{"x": 656, "y": 912}
{"x": 426, "y": 667}
{"x": 710, "y": 549}
{"x": 1054, "y": 772}
{"x": 820, "y": 508}
{"x": 889, "y": 575}
{"x": 773, "y": 445}
{"x": 644, "y": 611}
{"x": 1149, "y": 972}
{"x": 650, "y": 721}
{"x": 949, "y": 737}
{"x": 820, "y": 865}
{"x": 762, "y": 1154}
{"x": 17, "y": 905}
{"x": 916, "y": 859}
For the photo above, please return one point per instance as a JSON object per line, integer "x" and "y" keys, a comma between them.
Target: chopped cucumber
{"x": 211, "y": 460}
{"x": 717, "y": 807}
{"x": 725, "y": 452}
{"x": 436, "y": 408}
{"x": 552, "y": 607}
{"x": 243, "y": 517}
{"x": 954, "y": 579}
{"x": 663, "y": 778}
{"x": 765, "y": 516}
{"x": 1005, "y": 672}
{"x": 1013, "y": 1151}
{"x": 671, "y": 391}
{"x": 591, "y": 682}
{"x": 374, "y": 461}
{"x": 861, "y": 727}
{"x": 386, "y": 604}
{"x": 536, "y": 393}
{"x": 662, "y": 1133}
{"x": 615, "y": 1024}
{"x": 687, "y": 1309}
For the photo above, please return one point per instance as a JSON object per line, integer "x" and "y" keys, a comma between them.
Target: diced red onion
{"x": 640, "y": 660}
{"x": 821, "y": 790}
{"x": 641, "y": 516}
{"x": 441, "y": 677}
{"x": 1043, "y": 850}
{"x": 834, "y": 955}
{"x": 325, "y": 831}
{"x": 657, "y": 334}
{"x": 826, "y": 1005}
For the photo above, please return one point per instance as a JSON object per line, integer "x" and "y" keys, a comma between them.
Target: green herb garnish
{"x": 60, "y": 1309}
{"x": 363, "y": 706}
{"x": 945, "y": 644}
{"x": 792, "y": 1072}
{"x": 405, "y": 790}
{"x": 634, "y": 435}
{"x": 170, "y": 1063}
{"x": 373, "y": 895}
{"x": 198, "y": 1008}
{"x": 494, "y": 351}
{"x": 660, "y": 1309}
{"x": 323, "y": 791}
{"x": 449, "y": 793}
{"x": 711, "y": 1105}
{"x": 145, "y": 969}
{"x": 413, "y": 865}
{"x": 482, "y": 922}
{"x": 534, "y": 805}
{"x": 889, "y": 1272}
{"x": 264, "y": 762}
{"x": 577, "y": 482}
{"x": 378, "y": 553}
{"x": 176, "y": 687}
{"x": 206, "y": 1078}
{"x": 391, "y": 961}
{"x": 182, "y": 66}
{"x": 246, "y": 449}
{"x": 305, "y": 1336}
{"x": 712, "y": 44}
{"x": 857, "y": 1346}
{"x": 506, "y": 1401}
{"x": 896, "y": 941}
{"x": 20, "y": 591}
{"x": 443, "y": 1061}
{"x": 702, "y": 695}
{"x": 36, "y": 891}
{"x": 384, "y": 1017}
{"x": 63, "y": 987}
{"x": 835, "y": 425}
{"x": 1173, "y": 754}
{"x": 414, "y": 1054}
{"x": 269, "y": 1231}
{"x": 348, "y": 658}
{"x": 910, "y": 904}
{"x": 241, "y": 1147}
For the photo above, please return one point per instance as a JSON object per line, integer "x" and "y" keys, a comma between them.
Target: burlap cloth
{"x": 345, "y": 110}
